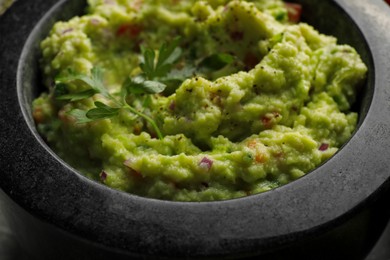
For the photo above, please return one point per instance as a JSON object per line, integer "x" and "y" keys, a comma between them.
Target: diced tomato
{"x": 129, "y": 30}
{"x": 387, "y": 1}
{"x": 294, "y": 12}
{"x": 268, "y": 120}
{"x": 259, "y": 158}
{"x": 64, "y": 117}
{"x": 38, "y": 115}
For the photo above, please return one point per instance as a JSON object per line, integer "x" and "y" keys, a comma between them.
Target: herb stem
{"x": 147, "y": 118}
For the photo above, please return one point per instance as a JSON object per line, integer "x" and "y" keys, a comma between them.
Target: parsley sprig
{"x": 157, "y": 72}
{"x": 114, "y": 106}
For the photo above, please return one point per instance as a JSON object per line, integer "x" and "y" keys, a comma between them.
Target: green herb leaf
{"x": 215, "y": 62}
{"x": 147, "y": 65}
{"x": 169, "y": 53}
{"x": 73, "y": 77}
{"x": 65, "y": 79}
{"x": 79, "y": 115}
{"x": 153, "y": 87}
{"x": 123, "y": 92}
{"x": 175, "y": 78}
{"x": 77, "y": 96}
{"x": 147, "y": 101}
{"x": 134, "y": 85}
{"x": 60, "y": 89}
{"x": 102, "y": 111}
{"x": 161, "y": 71}
{"x": 100, "y": 104}
{"x": 139, "y": 85}
{"x": 180, "y": 75}
{"x": 97, "y": 78}
{"x": 95, "y": 81}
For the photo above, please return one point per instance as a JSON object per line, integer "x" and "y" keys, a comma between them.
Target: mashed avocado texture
{"x": 275, "y": 111}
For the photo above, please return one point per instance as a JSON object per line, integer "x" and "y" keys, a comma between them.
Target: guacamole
{"x": 278, "y": 106}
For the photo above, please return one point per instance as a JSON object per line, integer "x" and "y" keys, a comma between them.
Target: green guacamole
{"x": 278, "y": 111}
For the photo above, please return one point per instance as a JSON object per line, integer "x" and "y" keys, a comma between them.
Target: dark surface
{"x": 340, "y": 208}
{"x": 381, "y": 251}
{"x": 11, "y": 250}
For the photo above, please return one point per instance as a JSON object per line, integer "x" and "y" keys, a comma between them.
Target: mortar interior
{"x": 341, "y": 26}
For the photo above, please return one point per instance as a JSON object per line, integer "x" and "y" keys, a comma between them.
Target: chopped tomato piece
{"x": 387, "y": 1}
{"x": 294, "y": 12}
{"x": 266, "y": 121}
{"x": 129, "y": 30}
{"x": 259, "y": 158}
{"x": 38, "y": 115}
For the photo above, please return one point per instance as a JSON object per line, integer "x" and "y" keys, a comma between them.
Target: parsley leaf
{"x": 148, "y": 65}
{"x": 139, "y": 85}
{"x": 168, "y": 55}
{"x": 102, "y": 111}
{"x": 215, "y": 62}
{"x": 77, "y": 96}
{"x": 95, "y": 82}
{"x": 97, "y": 78}
{"x": 80, "y": 116}
{"x": 180, "y": 75}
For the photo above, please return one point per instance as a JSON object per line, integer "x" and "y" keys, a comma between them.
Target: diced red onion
{"x": 95, "y": 21}
{"x": 172, "y": 105}
{"x": 67, "y": 30}
{"x": 206, "y": 163}
{"x": 103, "y": 176}
{"x": 323, "y": 147}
